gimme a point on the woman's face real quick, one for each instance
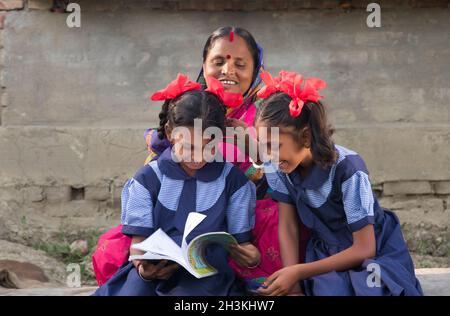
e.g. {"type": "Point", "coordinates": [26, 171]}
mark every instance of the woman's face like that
{"type": "Point", "coordinates": [231, 63]}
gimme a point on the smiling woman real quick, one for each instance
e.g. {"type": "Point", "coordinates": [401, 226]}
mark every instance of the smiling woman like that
{"type": "Point", "coordinates": [231, 59]}
{"type": "Point", "coordinates": [232, 55]}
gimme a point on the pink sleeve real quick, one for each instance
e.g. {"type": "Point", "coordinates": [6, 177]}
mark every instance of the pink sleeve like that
{"type": "Point", "coordinates": [230, 152]}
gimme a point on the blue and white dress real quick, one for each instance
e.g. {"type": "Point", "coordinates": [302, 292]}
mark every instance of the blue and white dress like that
{"type": "Point", "coordinates": [334, 203]}
{"type": "Point", "coordinates": [161, 195]}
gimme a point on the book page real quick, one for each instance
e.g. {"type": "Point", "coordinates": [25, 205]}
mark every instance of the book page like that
{"type": "Point", "coordinates": [155, 256]}
{"type": "Point", "coordinates": [196, 251]}
{"type": "Point", "coordinates": [160, 243]}
{"type": "Point", "coordinates": [159, 246]}
{"type": "Point", "coordinates": [222, 238]}
{"type": "Point", "coordinates": [192, 221]}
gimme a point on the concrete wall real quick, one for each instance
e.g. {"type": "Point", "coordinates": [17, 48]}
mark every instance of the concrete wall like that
{"type": "Point", "coordinates": [74, 102]}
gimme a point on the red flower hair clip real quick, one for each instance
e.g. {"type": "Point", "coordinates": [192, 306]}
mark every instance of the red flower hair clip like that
{"type": "Point", "coordinates": [230, 99]}
{"type": "Point", "coordinates": [178, 86]}
{"type": "Point", "coordinates": [298, 88]}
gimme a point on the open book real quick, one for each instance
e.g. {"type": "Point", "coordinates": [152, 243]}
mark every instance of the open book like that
{"type": "Point", "coordinates": [159, 246]}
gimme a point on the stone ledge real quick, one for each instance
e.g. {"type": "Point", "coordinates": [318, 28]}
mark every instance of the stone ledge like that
{"type": "Point", "coordinates": [40, 4]}
{"type": "Point", "coordinates": [442, 187]}
{"type": "Point", "coordinates": [435, 282]}
{"type": "Point", "coordinates": [82, 291]}
{"type": "Point", "coordinates": [8, 5]}
{"type": "Point", "coordinates": [407, 188]}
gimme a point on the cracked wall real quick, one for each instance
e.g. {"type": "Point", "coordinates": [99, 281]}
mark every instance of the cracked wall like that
{"type": "Point", "coordinates": [74, 102]}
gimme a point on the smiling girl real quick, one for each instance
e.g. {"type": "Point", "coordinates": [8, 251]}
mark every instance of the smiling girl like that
{"type": "Point", "coordinates": [162, 194]}
{"type": "Point", "coordinates": [357, 247]}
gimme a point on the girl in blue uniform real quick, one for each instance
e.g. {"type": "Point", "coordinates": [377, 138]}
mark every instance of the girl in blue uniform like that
{"type": "Point", "coordinates": [356, 247]}
{"type": "Point", "coordinates": [164, 192]}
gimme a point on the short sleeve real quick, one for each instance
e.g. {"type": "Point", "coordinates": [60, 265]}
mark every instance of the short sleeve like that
{"type": "Point", "coordinates": [137, 209]}
{"type": "Point", "coordinates": [240, 212]}
{"type": "Point", "coordinates": [280, 192]}
{"type": "Point", "coordinates": [357, 197]}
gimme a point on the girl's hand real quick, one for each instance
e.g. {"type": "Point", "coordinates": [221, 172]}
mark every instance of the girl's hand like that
{"type": "Point", "coordinates": [245, 255]}
{"type": "Point", "coordinates": [283, 282]}
{"type": "Point", "coordinates": [159, 271]}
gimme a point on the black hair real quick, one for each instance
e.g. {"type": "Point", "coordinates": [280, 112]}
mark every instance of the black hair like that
{"type": "Point", "coordinates": [246, 35]}
{"type": "Point", "coordinates": [191, 105]}
{"type": "Point", "coordinates": [274, 111]}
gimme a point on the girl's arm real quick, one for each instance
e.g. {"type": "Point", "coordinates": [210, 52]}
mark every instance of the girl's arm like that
{"type": "Point", "coordinates": [364, 247]}
{"type": "Point", "coordinates": [288, 234]}
{"type": "Point", "coordinates": [240, 214]}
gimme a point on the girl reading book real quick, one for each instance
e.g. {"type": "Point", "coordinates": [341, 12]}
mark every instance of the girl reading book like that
{"type": "Point", "coordinates": [164, 192]}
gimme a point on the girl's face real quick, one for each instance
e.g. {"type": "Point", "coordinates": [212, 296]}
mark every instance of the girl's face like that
{"type": "Point", "coordinates": [289, 153]}
{"type": "Point", "coordinates": [231, 63]}
{"type": "Point", "coordinates": [189, 149]}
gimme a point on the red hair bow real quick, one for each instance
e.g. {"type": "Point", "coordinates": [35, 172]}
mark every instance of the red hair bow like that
{"type": "Point", "coordinates": [178, 86]}
{"type": "Point", "coordinates": [230, 99]}
{"type": "Point", "coordinates": [291, 84]}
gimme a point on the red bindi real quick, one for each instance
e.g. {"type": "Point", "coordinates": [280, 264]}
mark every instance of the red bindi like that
{"type": "Point", "coordinates": [228, 56]}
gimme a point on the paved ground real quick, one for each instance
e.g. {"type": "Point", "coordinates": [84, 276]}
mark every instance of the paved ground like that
{"type": "Point", "coordinates": [435, 282]}
{"type": "Point", "coordinates": [83, 291]}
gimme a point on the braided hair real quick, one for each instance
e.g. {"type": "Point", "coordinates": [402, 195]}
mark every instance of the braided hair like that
{"type": "Point", "coordinates": [191, 105]}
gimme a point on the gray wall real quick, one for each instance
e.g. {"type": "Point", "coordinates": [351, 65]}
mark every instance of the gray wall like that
{"type": "Point", "coordinates": [75, 101]}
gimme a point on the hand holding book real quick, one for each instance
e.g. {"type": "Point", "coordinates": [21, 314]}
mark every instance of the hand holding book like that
{"type": "Point", "coordinates": [157, 269]}
{"type": "Point", "coordinates": [246, 255]}
{"type": "Point", "coordinates": [159, 246]}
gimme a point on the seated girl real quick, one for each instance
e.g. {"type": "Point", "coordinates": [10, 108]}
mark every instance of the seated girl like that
{"type": "Point", "coordinates": [356, 247]}
{"type": "Point", "coordinates": [164, 192]}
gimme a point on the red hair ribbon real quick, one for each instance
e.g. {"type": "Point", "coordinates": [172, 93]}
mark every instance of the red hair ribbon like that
{"type": "Point", "coordinates": [178, 86]}
{"type": "Point", "coordinates": [298, 88]}
{"type": "Point", "coordinates": [230, 99]}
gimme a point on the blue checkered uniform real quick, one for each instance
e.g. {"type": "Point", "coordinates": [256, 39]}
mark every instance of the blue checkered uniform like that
{"type": "Point", "coordinates": [334, 203]}
{"type": "Point", "coordinates": [161, 195]}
